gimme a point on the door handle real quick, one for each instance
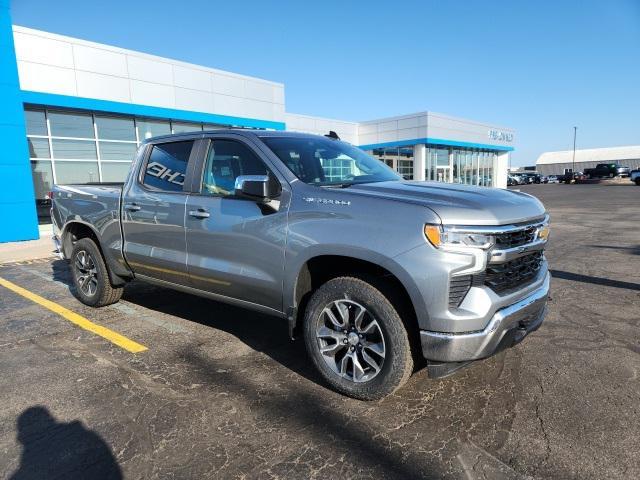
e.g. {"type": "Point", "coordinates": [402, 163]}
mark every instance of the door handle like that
{"type": "Point", "coordinates": [132, 207]}
{"type": "Point", "coordinates": [199, 213]}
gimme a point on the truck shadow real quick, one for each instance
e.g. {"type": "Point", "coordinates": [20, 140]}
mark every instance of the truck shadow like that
{"type": "Point", "coordinates": [260, 332]}
{"type": "Point", "coordinates": [263, 333]}
{"type": "Point", "coordinates": [633, 250]}
{"type": "Point", "coordinates": [605, 282]}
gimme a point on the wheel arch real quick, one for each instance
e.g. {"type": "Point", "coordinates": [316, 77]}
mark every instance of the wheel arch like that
{"type": "Point", "coordinates": [76, 230]}
{"type": "Point", "coordinates": [319, 267]}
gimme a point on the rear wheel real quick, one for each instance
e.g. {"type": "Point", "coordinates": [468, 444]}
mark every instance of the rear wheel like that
{"type": "Point", "coordinates": [356, 339]}
{"type": "Point", "coordinates": [90, 275]}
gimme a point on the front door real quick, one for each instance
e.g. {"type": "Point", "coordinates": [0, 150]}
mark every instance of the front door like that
{"type": "Point", "coordinates": [235, 246]}
{"type": "Point", "coordinates": [153, 214]}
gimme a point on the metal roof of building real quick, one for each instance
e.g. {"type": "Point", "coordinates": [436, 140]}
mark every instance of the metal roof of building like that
{"type": "Point", "coordinates": [610, 154]}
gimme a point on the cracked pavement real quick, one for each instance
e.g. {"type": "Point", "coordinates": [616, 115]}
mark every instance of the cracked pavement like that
{"type": "Point", "coordinates": [223, 393]}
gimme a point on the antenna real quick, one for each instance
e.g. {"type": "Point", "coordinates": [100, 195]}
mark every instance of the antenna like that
{"type": "Point", "coordinates": [333, 135]}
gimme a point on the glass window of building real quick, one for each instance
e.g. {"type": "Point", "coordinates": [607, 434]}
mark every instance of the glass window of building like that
{"type": "Point", "coordinates": [115, 171]}
{"type": "Point", "coordinates": [438, 167]}
{"type": "Point", "coordinates": [152, 128]}
{"type": "Point", "coordinates": [73, 149]}
{"type": "Point", "coordinates": [405, 168]}
{"type": "Point", "coordinates": [38, 147]}
{"type": "Point", "coordinates": [211, 126]}
{"type": "Point", "coordinates": [181, 127]}
{"type": "Point", "coordinates": [36, 122]}
{"type": "Point", "coordinates": [42, 174]}
{"type": "Point", "coordinates": [117, 150]}
{"type": "Point", "coordinates": [115, 128]}
{"type": "Point", "coordinates": [71, 124]}
{"type": "Point", "coordinates": [76, 172]}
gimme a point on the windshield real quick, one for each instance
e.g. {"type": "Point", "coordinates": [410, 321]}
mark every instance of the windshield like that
{"type": "Point", "coordinates": [322, 161]}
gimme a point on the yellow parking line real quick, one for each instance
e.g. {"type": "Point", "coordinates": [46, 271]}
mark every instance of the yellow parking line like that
{"type": "Point", "coordinates": [79, 320]}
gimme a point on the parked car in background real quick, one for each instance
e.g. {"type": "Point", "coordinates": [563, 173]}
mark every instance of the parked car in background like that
{"type": "Point", "coordinates": [607, 170]}
{"type": "Point", "coordinates": [635, 176]}
{"type": "Point", "coordinates": [511, 180]}
{"type": "Point", "coordinates": [553, 179]}
{"type": "Point", "coordinates": [579, 177]}
{"type": "Point", "coordinates": [371, 270]}
{"type": "Point", "coordinates": [522, 178]}
{"type": "Point", "coordinates": [572, 177]}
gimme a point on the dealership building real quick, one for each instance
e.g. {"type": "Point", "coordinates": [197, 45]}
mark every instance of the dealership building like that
{"type": "Point", "coordinates": [559, 163]}
{"type": "Point", "coordinates": [75, 111]}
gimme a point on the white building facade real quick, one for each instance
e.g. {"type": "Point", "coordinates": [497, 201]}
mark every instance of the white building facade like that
{"type": "Point", "coordinates": [84, 108]}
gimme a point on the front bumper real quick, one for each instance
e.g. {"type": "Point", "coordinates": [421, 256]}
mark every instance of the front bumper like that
{"type": "Point", "coordinates": [507, 327]}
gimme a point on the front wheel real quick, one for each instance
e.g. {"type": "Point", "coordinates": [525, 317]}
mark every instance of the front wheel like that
{"type": "Point", "coordinates": [637, 180]}
{"type": "Point", "coordinates": [90, 275]}
{"type": "Point", "coordinates": [356, 339]}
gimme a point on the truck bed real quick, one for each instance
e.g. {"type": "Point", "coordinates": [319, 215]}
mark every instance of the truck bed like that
{"type": "Point", "coordinates": [89, 201]}
{"type": "Point", "coordinates": [97, 206]}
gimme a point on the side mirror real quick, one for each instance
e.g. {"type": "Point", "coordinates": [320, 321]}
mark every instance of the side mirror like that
{"type": "Point", "coordinates": [261, 188]}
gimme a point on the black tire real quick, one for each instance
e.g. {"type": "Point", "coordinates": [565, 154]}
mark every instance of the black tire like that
{"type": "Point", "coordinates": [396, 366]}
{"type": "Point", "coordinates": [637, 180]}
{"type": "Point", "coordinates": [95, 288]}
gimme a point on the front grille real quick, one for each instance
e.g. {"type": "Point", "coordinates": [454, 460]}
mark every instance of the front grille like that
{"type": "Point", "coordinates": [514, 274]}
{"type": "Point", "coordinates": [516, 238]}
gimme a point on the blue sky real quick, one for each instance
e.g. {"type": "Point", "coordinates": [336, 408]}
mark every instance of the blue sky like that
{"type": "Point", "coordinates": [538, 66]}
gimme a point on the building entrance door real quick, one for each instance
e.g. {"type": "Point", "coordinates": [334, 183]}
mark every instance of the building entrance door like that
{"type": "Point", "coordinates": [443, 174]}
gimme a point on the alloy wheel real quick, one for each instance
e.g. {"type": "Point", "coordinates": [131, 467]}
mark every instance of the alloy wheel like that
{"type": "Point", "coordinates": [86, 273]}
{"type": "Point", "coordinates": [351, 341]}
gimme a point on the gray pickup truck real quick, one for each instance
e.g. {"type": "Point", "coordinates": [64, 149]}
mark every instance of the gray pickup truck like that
{"type": "Point", "coordinates": [377, 274]}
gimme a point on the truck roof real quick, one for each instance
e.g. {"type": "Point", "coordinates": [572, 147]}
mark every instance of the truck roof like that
{"type": "Point", "coordinates": [242, 131]}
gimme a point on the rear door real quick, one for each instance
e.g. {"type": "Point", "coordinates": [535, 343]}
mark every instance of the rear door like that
{"type": "Point", "coordinates": [154, 210]}
{"type": "Point", "coordinates": [235, 246]}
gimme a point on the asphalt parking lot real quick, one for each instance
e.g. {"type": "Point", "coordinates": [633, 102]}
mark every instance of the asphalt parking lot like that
{"type": "Point", "coordinates": [222, 393]}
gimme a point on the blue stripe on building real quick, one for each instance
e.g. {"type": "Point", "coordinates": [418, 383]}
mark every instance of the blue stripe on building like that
{"type": "Point", "coordinates": [54, 100]}
{"type": "Point", "coordinates": [436, 141]}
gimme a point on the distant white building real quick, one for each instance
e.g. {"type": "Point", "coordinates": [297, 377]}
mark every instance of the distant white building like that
{"type": "Point", "coordinates": [550, 163]}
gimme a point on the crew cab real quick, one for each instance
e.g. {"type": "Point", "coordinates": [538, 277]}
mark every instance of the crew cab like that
{"type": "Point", "coordinates": [378, 274]}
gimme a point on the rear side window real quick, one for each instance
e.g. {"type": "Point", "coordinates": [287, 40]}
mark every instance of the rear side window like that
{"type": "Point", "coordinates": [167, 166]}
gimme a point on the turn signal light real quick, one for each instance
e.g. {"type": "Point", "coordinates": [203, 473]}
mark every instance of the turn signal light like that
{"type": "Point", "coordinates": [432, 232]}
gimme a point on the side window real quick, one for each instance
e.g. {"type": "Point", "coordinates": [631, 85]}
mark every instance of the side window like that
{"type": "Point", "coordinates": [167, 166]}
{"type": "Point", "coordinates": [227, 160]}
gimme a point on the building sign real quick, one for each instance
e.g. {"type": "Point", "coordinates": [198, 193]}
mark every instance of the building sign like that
{"type": "Point", "coordinates": [500, 136]}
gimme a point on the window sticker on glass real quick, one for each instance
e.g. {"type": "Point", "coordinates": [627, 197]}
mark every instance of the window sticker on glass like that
{"type": "Point", "coordinates": [167, 166]}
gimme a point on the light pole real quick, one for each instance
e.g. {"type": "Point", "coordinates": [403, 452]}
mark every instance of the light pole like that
{"type": "Point", "coordinates": [573, 162]}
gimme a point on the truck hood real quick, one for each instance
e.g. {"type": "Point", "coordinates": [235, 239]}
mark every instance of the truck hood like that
{"type": "Point", "coordinates": [459, 204]}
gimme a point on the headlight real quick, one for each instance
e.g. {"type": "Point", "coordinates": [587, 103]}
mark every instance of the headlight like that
{"type": "Point", "coordinates": [442, 237]}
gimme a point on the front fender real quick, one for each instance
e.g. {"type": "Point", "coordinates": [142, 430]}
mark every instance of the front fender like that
{"type": "Point", "coordinates": [296, 263]}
